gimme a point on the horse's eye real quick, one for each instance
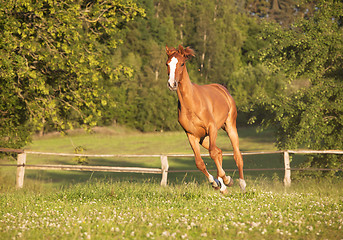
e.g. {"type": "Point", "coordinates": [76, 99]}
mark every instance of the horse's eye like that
{"type": "Point", "coordinates": [182, 64]}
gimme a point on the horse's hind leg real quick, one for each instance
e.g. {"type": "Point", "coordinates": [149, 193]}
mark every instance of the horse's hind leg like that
{"type": "Point", "coordinates": [231, 129]}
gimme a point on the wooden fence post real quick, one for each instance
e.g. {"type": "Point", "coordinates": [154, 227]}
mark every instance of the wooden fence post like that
{"type": "Point", "coordinates": [21, 161]}
{"type": "Point", "coordinates": [287, 178]}
{"type": "Point", "coordinates": [164, 167]}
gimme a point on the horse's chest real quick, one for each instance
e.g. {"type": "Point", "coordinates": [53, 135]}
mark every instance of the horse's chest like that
{"type": "Point", "coordinates": [192, 123]}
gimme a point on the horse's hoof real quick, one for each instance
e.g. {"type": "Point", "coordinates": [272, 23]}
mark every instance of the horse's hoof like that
{"type": "Point", "coordinates": [228, 181]}
{"type": "Point", "coordinates": [242, 184]}
{"type": "Point", "coordinates": [225, 191]}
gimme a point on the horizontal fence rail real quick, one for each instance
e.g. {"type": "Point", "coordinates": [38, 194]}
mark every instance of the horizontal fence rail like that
{"type": "Point", "coordinates": [21, 163]}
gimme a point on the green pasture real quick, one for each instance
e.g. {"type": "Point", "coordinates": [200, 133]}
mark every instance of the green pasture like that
{"type": "Point", "coordinates": [93, 205]}
{"type": "Point", "coordinates": [110, 209]}
{"type": "Point", "coordinates": [119, 140]}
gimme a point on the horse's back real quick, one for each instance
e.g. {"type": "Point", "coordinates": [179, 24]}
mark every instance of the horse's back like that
{"type": "Point", "coordinates": [215, 93]}
{"type": "Point", "coordinates": [220, 88]}
{"type": "Point", "coordinates": [217, 101]}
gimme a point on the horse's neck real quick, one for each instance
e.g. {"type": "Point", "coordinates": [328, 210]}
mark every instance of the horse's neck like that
{"type": "Point", "coordinates": [185, 91]}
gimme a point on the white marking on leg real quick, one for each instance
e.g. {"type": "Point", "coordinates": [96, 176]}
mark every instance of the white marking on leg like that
{"type": "Point", "coordinates": [172, 68]}
{"type": "Point", "coordinates": [242, 184]}
{"type": "Point", "coordinates": [223, 187]}
{"type": "Point", "coordinates": [210, 178]}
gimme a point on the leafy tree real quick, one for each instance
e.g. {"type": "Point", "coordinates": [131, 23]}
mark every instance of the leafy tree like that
{"type": "Point", "coordinates": [284, 12]}
{"type": "Point", "coordinates": [309, 110]}
{"type": "Point", "coordinates": [214, 29]}
{"type": "Point", "coordinates": [145, 103]}
{"type": "Point", "coordinates": [55, 61]}
{"type": "Point", "coordinates": [217, 39]}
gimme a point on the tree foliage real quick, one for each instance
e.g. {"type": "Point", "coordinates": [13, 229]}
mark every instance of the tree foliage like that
{"type": "Point", "coordinates": [284, 12]}
{"type": "Point", "coordinates": [214, 29]}
{"type": "Point", "coordinates": [309, 110]}
{"type": "Point", "coordinates": [68, 64]}
{"type": "Point", "coordinates": [55, 59]}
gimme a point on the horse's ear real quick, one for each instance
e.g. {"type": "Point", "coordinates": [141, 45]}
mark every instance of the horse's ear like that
{"type": "Point", "coordinates": [188, 52]}
{"type": "Point", "coordinates": [170, 51]}
{"type": "Point", "coordinates": [167, 50]}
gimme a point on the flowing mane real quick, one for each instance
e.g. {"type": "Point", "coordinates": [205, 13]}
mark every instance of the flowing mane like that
{"type": "Point", "coordinates": [185, 52]}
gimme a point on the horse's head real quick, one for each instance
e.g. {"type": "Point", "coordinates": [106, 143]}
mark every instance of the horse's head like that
{"type": "Point", "coordinates": [176, 64]}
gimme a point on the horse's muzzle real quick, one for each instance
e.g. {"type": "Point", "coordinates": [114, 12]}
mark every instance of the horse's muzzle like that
{"type": "Point", "coordinates": [172, 87]}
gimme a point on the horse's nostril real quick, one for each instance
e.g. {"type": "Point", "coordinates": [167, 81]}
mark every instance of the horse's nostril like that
{"type": "Point", "coordinates": [172, 86]}
{"type": "Point", "coordinates": [175, 84]}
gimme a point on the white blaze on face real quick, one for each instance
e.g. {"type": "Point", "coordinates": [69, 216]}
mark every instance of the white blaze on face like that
{"type": "Point", "coordinates": [172, 67]}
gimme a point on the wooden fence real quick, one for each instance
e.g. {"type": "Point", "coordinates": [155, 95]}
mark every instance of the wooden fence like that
{"type": "Point", "coordinates": [21, 163]}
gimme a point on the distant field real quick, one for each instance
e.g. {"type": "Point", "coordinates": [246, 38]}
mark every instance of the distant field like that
{"type": "Point", "coordinates": [122, 141]}
{"type": "Point", "coordinates": [119, 140]}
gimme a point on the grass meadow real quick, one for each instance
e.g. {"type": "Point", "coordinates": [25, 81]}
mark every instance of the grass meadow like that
{"type": "Point", "coordinates": [144, 210]}
{"type": "Point", "coordinates": [87, 205]}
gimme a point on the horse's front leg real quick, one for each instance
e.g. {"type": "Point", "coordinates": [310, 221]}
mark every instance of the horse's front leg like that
{"type": "Point", "coordinates": [194, 142]}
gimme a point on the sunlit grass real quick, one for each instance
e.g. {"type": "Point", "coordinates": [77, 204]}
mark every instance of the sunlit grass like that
{"type": "Point", "coordinates": [93, 205]}
{"type": "Point", "coordinates": [127, 210]}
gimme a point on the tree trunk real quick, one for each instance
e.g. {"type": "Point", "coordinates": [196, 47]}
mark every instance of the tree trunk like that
{"type": "Point", "coordinates": [203, 55]}
{"type": "Point", "coordinates": [275, 6]}
{"type": "Point", "coordinates": [41, 131]}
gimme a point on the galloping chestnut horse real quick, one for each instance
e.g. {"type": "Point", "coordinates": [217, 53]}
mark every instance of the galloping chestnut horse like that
{"type": "Point", "coordinates": [203, 110]}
